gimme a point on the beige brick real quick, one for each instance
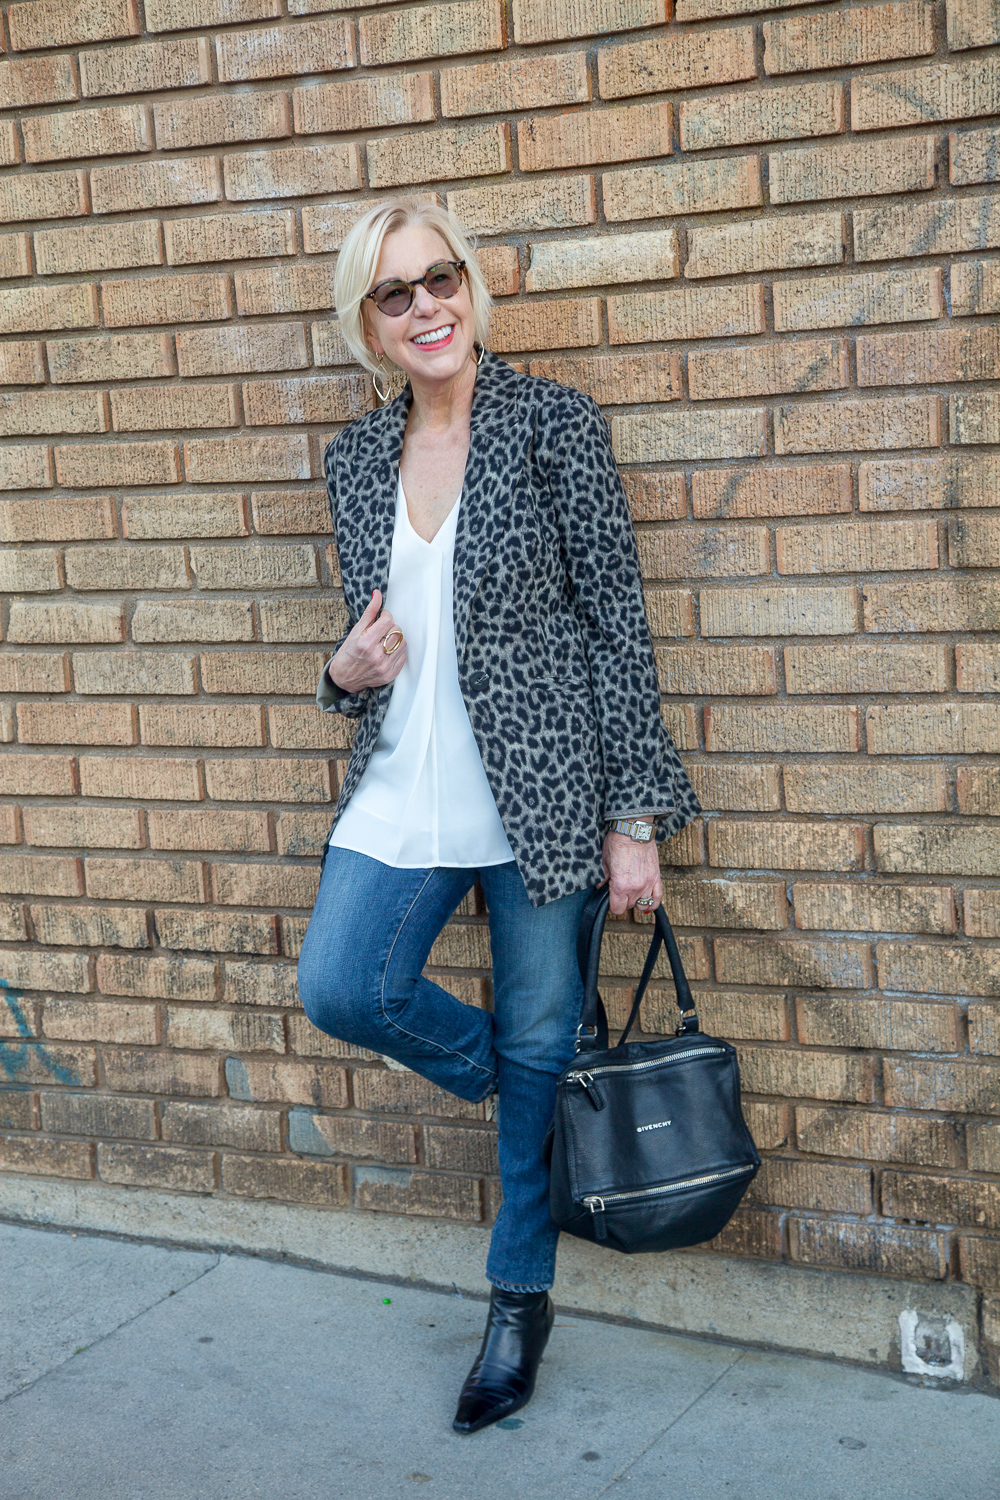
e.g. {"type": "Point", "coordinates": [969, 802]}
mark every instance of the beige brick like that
{"type": "Point", "coordinates": [949, 91]}
{"type": "Point", "coordinates": [781, 727]}
{"type": "Point", "coordinates": [615, 378]}
{"type": "Point", "coordinates": [221, 1125]}
{"type": "Point", "coordinates": [832, 426]}
{"type": "Point", "coordinates": [155, 184]}
{"type": "Point", "coordinates": [149, 516]}
{"type": "Point", "coordinates": [233, 832]}
{"type": "Point", "coordinates": [873, 33]}
{"type": "Point", "coordinates": [884, 1248]}
{"type": "Point", "coordinates": [265, 885]}
{"type": "Point", "coordinates": [143, 779]}
{"type": "Point", "coordinates": [726, 903]}
{"type": "Point", "coordinates": [272, 566]}
{"type": "Point", "coordinates": [803, 490]}
{"type": "Point", "coordinates": [569, 18]}
{"type": "Point", "coordinates": [852, 300]}
{"type": "Point", "coordinates": [815, 963]}
{"type": "Point", "coordinates": [302, 833]}
{"type": "Point", "coordinates": [435, 31]}
{"type": "Point", "coordinates": [687, 435]}
{"type": "Point", "coordinates": [972, 23]}
{"type": "Point", "coordinates": [266, 672]}
{"type": "Point", "coordinates": [857, 547]}
{"type": "Point", "coordinates": [221, 1031]}
{"type": "Point", "coordinates": [280, 51]}
{"type": "Point", "coordinates": [10, 155]}
{"type": "Point", "coordinates": [165, 299]}
{"type": "Point", "coordinates": [161, 408]}
{"type": "Point", "coordinates": [685, 313]}
{"type": "Point", "coordinates": [607, 135]}
{"type": "Point", "coordinates": [984, 1033]}
{"type": "Point", "coordinates": [922, 358]}
{"type": "Point", "coordinates": [90, 926]}
{"type": "Point", "coordinates": [683, 187]}
{"type": "Point", "coordinates": [181, 15]}
{"type": "Point", "coordinates": [670, 612]}
{"type": "Point", "coordinates": [292, 172]}
{"type": "Point", "coordinates": [767, 369]}
{"type": "Point", "coordinates": [982, 1146]}
{"type": "Point", "coordinates": [700, 551]}
{"type": "Point", "coordinates": [118, 130]}
{"type": "Point", "coordinates": [316, 398]}
{"type": "Point", "coordinates": [866, 667]}
{"type": "Point", "coordinates": [122, 357]}
{"type": "Point", "coordinates": [37, 875]}
{"type": "Point", "coordinates": [859, 169]}
{"type": "Point", "coordinates": [295, 727]}
{"type": "Point", "coordinates": [34, 672]}
{"type": "Point", "coordinates": [977, 669]}
{"type": "Point", "coordinates": [975, 288]}
{"type": "Point", "coordinates": [766, 245]}
{"type": "Point", "coordinates": [680, 60]}
{"type": "Point", "coordinates": [787, 114]}
{"type": "Point", "coordinates": [277, 289]}
{"type": "Point", "coordinates": [739, 788]}
{"type": "Point", "coordinates": [162, 724]}
{"type": "Point", "coordinates": [557, 264]}
{"type": "Point", "coordinates": [324, 225]}
{"type": "Point", "coordinates": [654, 495]}
{"type": "Point", "coordinates": [36, 80]}
{"type": "Point", "coordinates": [130, 1070]}
{"type": "Point", "coordinates": [506, 208]}
{"type": "Point", "coordinates": [134, 673]}
{"type": "Point", "coordinates": [72, 520]}
{"type": "Point", "coordinates": [36, 776]}
{"type": "Point", "coordinates": [21, 363]}
{"type": "Point", "coordinates": [145, 880]}
{"type": "Point", "coordinates": [76, 723]}
{"type": "Point", "coordinates": [695, 670]}
{"type": "Point", "coordinates": [932, 728]}
{"type": "Point", "coordinates": [434, 155]}
{"type": "Point", "coordinates": [62, 23]}
{"type": "Point", "coordinates": [129, 568]}
{"type": "Point", "coordinates": [87, 465]}
{"type": "Point", "coordinates": [181, 63]}
{"type": "Point", "coordinates": [282, 513]}
{"type": "Point", "coordinates": [946, 227]}
{"type": "Point", "coordinates": [975, 417]}
{"type": "Point", "coordinates": [156, 1166]}
{"type": "Point", "coordinates": [963, 604]}
{"type": "Point", "coordinates": [25, 467]}
{"type": "Point", "coordinates": [31, 572]}
{"type": "Point", "coordinates": [875, 1137]}
{"type": "Point", "coordinates": [972, 157]}
{"type": "Point", "coordinates": [263, 1080]}
{"type": "Point", "coordinates": [193, 620]}
{"type": "Point", "coordinates": [42, 195]}
{"type": "Point", "coordinates": [934, 1084]}
{"type": "Point", "coordinates": [863, 907]}
{"type": "Point", "coordinates": [10, 833]}
{"type": "Point", "coordinates": [216, 932]}
{"type": "Point", "coordinates": [728, 1013]}
{"type": "Point", "coordinates": [261, 984]}
{"type": "Point", "coordinates": [32, 309]}
{"type": "Point", "coordinates": [777, 1070]}
{"type": "Point", "coordinates": [365, 103]}
{"type": "Point", "coordinates": [564, 324]}
{"type": "Point", "coordinates": [310, 620]}
{"type": "Point", "coordinates": [215, 120]}
{"type": "Point", "coordinates": [232, 460]}
{"type": "Point", "coordinates": [506, 84]}
{"type": "Point", "coordinates": [753, 844]}
{"type": "Point", "coordinates": [65, 624]}
{"type": "Point", "coordinates": [780, 611]}
{"type": "Point", "coordinates": [913, 849]}
{"type": "Point", "coordinates": [247, 235]}
{"type": "Point", "coordinates": [30, 1153]}
{"type": "Point", "coordinates": [973, 542]}
{"type": "Point", "coordinates": [978, 791]}
{"type": "Point", "coordinates": [96, 1114]}
{"type": "Point", "coordinates": [295, 1181]}
{"type": "Point", "coordinates": [86, 827]}
{"type": "Point", "coordinates": [231, 351]}
{"type": "Point", "coordinates": [100, 1021]}
{"type": "Point", "coordinates": [25, 413]}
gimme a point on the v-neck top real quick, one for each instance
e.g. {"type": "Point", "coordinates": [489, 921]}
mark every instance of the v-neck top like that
{"type": "Point", "coordinates": [424, 800]}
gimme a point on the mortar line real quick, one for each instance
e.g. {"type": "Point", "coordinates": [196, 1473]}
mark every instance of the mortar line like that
{"type": "Point", "coordinates": [616, 1478]}
{"type": "Point", "coordinates": [102, 1338]}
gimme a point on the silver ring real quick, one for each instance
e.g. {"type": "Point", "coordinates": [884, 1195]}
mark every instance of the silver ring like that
{"type": "Point", "coordinates": [646, 902]}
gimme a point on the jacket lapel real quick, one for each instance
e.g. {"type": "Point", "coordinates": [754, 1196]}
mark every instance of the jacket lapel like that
{"type": "Point", "coordinates": [366, 502]}
{"type": "Point", "coordinates": [500, 432]}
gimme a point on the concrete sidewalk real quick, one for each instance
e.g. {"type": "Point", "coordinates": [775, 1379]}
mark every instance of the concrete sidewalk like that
{"type": "Point", "coordinates": [134, 1372]}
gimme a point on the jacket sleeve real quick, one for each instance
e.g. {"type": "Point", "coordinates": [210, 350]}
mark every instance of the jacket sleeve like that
{"type": "Point", "coordinates": [602, 562]}
{"type": "Point", "coordinates": [329, 697]}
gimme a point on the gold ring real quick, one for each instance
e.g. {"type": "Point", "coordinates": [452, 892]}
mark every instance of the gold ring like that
{"type": "Point", "coordinates": [390, 649]}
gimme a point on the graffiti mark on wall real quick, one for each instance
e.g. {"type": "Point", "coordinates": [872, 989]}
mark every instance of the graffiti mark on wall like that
{"type": "Point", "coordinates": [20, 1062]}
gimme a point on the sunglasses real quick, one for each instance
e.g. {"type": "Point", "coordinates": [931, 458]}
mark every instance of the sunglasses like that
{"type": "Point", "coordinates": [395, 297]}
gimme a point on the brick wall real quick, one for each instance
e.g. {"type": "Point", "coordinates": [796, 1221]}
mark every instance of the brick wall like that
{"type": "Point", "coordinates": [766, 242]}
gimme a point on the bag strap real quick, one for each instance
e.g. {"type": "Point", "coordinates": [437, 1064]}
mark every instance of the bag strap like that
{"type": "Point", "coordinates": [592, 1032]}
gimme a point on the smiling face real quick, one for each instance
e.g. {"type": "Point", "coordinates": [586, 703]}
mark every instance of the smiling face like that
{"type": "Point", "coordinates": [432, 341]}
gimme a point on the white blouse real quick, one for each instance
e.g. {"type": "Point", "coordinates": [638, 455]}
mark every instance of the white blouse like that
{"type": "Point", "coordinates": [424, 799]}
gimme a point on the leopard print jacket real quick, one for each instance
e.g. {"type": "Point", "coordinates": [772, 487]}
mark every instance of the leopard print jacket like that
{"type": "Point", "coordinates": [554, 656]}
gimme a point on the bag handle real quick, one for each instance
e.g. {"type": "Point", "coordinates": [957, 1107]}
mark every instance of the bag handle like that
{"type": "Point", "coordinates": [592, 1032]}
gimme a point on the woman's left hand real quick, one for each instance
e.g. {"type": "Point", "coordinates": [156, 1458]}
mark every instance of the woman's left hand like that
{"type": "Point", "coordinates": [633, 871]}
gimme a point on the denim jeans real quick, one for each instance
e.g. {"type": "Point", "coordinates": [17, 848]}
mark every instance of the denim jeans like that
{"type": "Point", "coordinates": [360, 979]}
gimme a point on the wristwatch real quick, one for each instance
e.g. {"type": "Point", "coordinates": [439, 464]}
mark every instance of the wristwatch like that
{"type": "Point", "coordinates": [633, 828]}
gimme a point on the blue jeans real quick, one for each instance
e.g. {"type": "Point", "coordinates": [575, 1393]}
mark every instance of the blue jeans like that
{"type": "Point", "coordinates": [360, 979]}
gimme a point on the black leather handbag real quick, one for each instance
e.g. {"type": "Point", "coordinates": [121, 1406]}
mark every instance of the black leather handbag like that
{"type": "Point", "coordinates": [650, 1150]}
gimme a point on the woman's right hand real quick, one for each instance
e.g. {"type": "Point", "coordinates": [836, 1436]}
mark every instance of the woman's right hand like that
{"type": "Point", "coordinates": [361, 662]}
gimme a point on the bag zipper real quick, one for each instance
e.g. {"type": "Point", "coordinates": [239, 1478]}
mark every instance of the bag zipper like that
{"type": "Point", "coordinates": [597, 1202]}
{"type": "Point", "coordinates": [586, 1076]}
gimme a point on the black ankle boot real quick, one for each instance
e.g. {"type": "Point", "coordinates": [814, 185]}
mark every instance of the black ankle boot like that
{"type": "Point", "coordinates": [503, 1377]}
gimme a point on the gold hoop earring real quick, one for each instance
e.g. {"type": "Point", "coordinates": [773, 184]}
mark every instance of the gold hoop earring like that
{"type": "Point", "coordinates": [382, 395]}
{"type": "Point", "coordinates": [481, 355]}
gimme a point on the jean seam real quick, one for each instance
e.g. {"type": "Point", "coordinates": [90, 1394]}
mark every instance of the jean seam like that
{"type": "Point", "coordinates": [387, 1019]}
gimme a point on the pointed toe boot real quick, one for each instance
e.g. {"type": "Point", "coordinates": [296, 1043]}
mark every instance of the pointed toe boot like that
{"type": "Point", "coordinates": [503, 1377]}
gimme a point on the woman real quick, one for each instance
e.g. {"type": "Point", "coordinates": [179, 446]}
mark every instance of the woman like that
{"type": "Point", "coordinates": [499, 662]}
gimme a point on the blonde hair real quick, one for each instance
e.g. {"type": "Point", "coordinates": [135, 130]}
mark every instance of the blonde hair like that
{"type": "Point", "coordinates": [359, 257]}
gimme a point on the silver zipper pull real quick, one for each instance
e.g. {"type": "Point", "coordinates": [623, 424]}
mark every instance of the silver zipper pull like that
{"type": "Point", "coordinates": [591, 1089]}
{"type": "Point", "coordinates": [596, 1206]}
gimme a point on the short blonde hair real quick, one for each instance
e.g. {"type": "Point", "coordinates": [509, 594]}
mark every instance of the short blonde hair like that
{"type": "Point", "coordinates": [359, 256]}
